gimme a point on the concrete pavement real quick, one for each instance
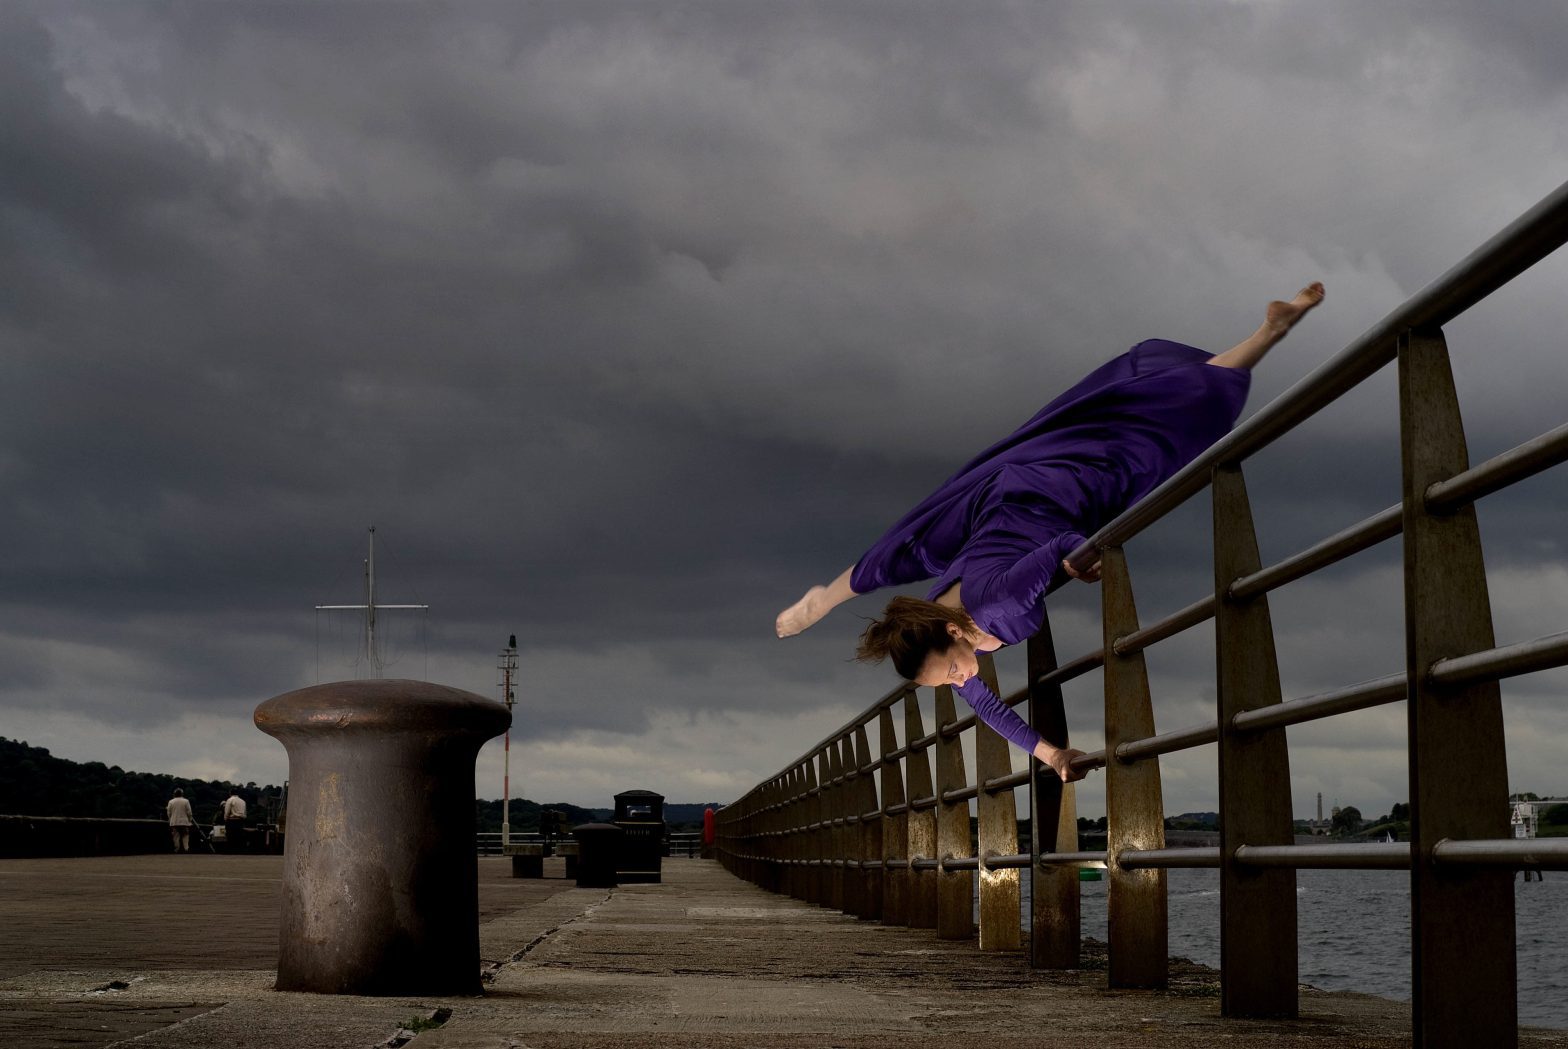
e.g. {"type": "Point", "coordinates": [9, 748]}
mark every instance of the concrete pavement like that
{"type": "Point", "coordinates": [167, 952]}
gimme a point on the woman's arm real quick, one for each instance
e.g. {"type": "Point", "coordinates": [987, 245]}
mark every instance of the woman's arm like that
{"type": "Point", "coordinates": [1005, 720]}
{"type": "Point", "coordinates": [1060, 759]}
{"type": "Point", "coordinates": [817, 602]}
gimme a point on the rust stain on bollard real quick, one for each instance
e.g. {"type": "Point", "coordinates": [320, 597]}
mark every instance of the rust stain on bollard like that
{"type": "Point", "coordinates": [380, 893]}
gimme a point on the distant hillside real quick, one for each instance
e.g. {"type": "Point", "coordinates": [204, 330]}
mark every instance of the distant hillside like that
{"type": "Point", "coordinates": [34, 782]}
{"type": "Point", "coordinates": [524, 814]}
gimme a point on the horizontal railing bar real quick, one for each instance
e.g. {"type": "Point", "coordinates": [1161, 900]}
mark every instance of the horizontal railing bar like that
{"type": "Point", "coordinates": [1545, 853]}
{"type": "Point", "coordinates": [1094, 759]}
{"type": "Point", "coordinates": [1066, 672]}
{"type": "Point", "coordinates": [1199, 611]}
{"type": "Point", "coordinates": [1138, 859]}
{"type": "Point", "coordinates": [1000, 783]}
{"type": "Point", "coordinates": [1543, 653]}
{"type": "Point", "coordinates": [1375, 856]}
{"type": "Point", "coordinates": [1383, 525]}
{"type": "Point", "coordinates": [923, 863]}
{"type": "Point", "coordinates": [1002, 863]}
{"type": "Point", "coordinates": [952, 797]}
{"type": "Point", "coordinates": [1374, 693]}
{"type": "Point", "coordinates": [897, 810]}
{"type": "Point", "coordinates": [1071, 859]}
{"type": "Point", "coordinates": [1166, 742]}
{"type": "Point", "coordinates": [1073, 668]}
{"type": "Point", "coordinates": [954, 728]}
{"type": "Point", "coordinates": [1500, 471]}
{"type": "Point", "coordinates": [832, 738]}
{"type": "Point", "coordinates": [1528, 239]}
{"type": "Point", "coordinates": [928, 802]}
{"type": "Point", "coordinates": [961, 863]}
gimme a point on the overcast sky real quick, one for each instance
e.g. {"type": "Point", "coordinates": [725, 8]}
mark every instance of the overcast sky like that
{"type": "Point", "coordinates": [624, 323]}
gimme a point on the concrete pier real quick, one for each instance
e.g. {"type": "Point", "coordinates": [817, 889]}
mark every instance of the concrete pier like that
{"type": "Point", "coordinates": [178, 951]}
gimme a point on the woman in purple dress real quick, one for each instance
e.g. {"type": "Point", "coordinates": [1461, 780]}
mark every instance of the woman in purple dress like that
{"type": "Point", "coordinates": [996, 534]}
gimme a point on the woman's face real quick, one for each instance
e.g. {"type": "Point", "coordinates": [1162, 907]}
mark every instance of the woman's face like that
{"type": "Point", "coordinates": [953, 667]}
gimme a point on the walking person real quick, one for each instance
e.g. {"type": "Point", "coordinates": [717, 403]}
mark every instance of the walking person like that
{"type": "Point", "coordinates": [180, 821]}
{"type": "Point", "coordinates": [997, 533]}
{"type": "Point", "coordinates": [234, 821]}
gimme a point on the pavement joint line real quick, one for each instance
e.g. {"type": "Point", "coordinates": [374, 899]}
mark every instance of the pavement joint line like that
{"type": "Point", "coordinates": [494, 969]}
{"type": "Point", "coordinates": [403, 1035]}
{"type": "Point", "coordinates": [148, 1035]}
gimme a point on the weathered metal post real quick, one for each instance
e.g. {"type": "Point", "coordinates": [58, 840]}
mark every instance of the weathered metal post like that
{"type": "Point", "coordinates": [997, 820]}
{"type": "Point", "coordinates": [1257, 907]}
{"type": "Point", "coordinates": [380, 875]}
{"type": "Point", "coordinates": [1135, 899]}
{"type": "Point", "coordinates": [921, 911]}
{"type": "Point", "coordinates": [1055, 940]}
{"type": "Point", "coordinates": [1463, 983]}
{"type": "Point", "coordinates": [895, 829]}
{"type": "Point", "coordinates": [955, 918]}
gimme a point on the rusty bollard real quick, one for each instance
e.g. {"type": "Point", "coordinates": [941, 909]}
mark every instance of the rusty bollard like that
{"type": "Point", "coordinates": [380, 875]}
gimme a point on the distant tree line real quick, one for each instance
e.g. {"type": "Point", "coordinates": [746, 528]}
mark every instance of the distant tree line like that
{"type": "Point", "coordinates": [524, 815]}
{"type": "Point", "coordinates": [34, 782]}
{"type": "Point", "coordinates": [1348, 822]}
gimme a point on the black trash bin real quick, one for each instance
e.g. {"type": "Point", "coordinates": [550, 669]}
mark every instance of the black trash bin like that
{"type": "Point", "coordinates": [599, 851]}
{"type": "Point", "coordinates": [640, 813]}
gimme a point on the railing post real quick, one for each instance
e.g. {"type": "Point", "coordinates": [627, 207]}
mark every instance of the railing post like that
{"type": "Point", "coordinates": [822, 889]}
{"type": "Point", "coordinates": [870, 829]}
{"type": "Point", "coordinates": [1257, 906]}
{"type": "Point", "coordinates": [803, 835]}
{"type": "Point", "coordinates": [1135, 899]}
{"type": "Point", "coordinates": [895, 829]}
{"type": "Point", "coordinates": [833, 814]}
{"type": "Point", "coordinates": [1055, 936]}
{"type": "Point", "coordinates": [922, 824]}
{"type": "Point", "coordinates": [998, 831]}
{"type": "Point", "coordinates": [769, 867]}
{"type": "Point", "coordinates": [792, 833]}
{"type": "Point", "coordinates": [849, 829]}
{"type": "Point", "coordinates": [1461, 918]}
{"type": "Point", "coordinates": [955, 918]}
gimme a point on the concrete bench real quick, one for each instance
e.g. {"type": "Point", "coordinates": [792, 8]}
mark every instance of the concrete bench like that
{"type": "Point", "coordinates": [568, 850]}
{"type": "Point", "coordinates": [527, 860]}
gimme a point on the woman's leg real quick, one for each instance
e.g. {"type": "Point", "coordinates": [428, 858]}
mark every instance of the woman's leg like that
{"type": "Point", "coordinates": [1279, 319]}
{"type": "Point", "coordinates": [817, 602]}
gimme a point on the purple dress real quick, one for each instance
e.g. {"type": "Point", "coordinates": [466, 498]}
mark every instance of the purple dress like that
{"type": "Point", "coordinates": [1004, 522]}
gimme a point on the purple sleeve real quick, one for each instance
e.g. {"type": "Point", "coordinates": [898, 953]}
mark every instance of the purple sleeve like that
{"type": "Point", "coordinates": [998, 715]}
{"type": "Point", "coordinates": [1019, 588]}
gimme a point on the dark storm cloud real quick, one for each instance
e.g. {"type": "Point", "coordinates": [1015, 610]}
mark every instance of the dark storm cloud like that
{"type": "Point", "coordinates": [624, 323]}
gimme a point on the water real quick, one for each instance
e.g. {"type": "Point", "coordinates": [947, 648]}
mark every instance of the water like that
{"type": "Point", "coordinates": [1353, 932]}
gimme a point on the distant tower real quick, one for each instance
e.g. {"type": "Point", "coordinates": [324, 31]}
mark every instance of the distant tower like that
{"type": "Point", "coordinates": [506, 666]}
{"type": "Point", "coordinates": [1320, 806]}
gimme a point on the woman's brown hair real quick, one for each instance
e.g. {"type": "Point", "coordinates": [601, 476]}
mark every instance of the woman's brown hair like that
{"type": "Point", "coordinates": [909, 631]}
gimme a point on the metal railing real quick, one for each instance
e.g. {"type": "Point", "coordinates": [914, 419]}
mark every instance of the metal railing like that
{"type": "Point", "coordinates": [676, 843]}
{"type": "Point", "coordinates": [822, 830]}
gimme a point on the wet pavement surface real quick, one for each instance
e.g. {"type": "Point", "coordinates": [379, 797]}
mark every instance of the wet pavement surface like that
{"type": "Point", "coordinates": [179, 951]}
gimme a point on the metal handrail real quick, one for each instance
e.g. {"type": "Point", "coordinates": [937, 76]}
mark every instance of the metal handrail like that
{"type": "Point", "coordinates": [792, 817]}
{"type": "Point", "coordinates": [1526, 241]}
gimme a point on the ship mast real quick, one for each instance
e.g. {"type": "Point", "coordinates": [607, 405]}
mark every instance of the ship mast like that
{"type": "Point", "coordinates": [372, 652]}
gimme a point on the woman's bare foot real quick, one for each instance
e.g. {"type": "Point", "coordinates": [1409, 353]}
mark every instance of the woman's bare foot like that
{"type": "Point", "coordinates": [802, 613]}
{"type": "Point", "coordinates": [1282, 316]}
